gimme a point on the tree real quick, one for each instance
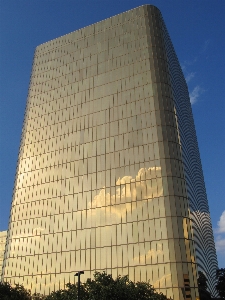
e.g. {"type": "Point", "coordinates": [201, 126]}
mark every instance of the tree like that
{"type": "Point", "coordinates": [7, 292]}
{"type": "Point", "coordinates": [104, 287]}
{"type": "Point", "coordinates": [202, 287]}
{"type": "Point", "coordinates": [220, 286]}
{"type": "Point", "coordinates": [38, 296]}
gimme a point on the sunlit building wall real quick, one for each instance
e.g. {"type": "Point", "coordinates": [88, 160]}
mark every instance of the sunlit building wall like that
{"type": "Point", "coordinates": [3, 235]}
{"type": "Point", "coordinates": [101, 181]}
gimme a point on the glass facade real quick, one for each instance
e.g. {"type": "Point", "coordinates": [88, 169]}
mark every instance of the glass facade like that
{"type": "Point", "coordinates": [101, 181]}
{"type": "Point", "coordinates": [199, 210]}
{"type": "Point", "coordinates": [3, 235]}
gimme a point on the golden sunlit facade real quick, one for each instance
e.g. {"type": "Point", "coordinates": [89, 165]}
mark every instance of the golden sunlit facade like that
{"type": "Point", "coordinates": [100, 181]}
{"type": "Point", "coordinates": [3, 235]}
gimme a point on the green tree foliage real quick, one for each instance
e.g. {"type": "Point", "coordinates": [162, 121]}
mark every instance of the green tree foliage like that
{"type": "Point", "coordinates": [7, 292]}
{"type": "Point", "coordinates": [220, 286]}
{"type": "Point", "coordinates": [202, 287]}
{"type": "Point", "coordinates": [202, 281]}
{"type": "Point", "coordinates": [104, 287]}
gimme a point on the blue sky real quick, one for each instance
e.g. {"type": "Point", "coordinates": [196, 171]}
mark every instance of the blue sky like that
{"type": "Point", "coordinates": [197, 31]}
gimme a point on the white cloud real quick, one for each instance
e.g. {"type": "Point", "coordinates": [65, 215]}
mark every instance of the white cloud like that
{"type": "Point", "coordinates": [205, 46]}
{"type": "Point", "coordinates": [221, 223]}
{"type": "Point", "coordinates": [189, 76]}
{"type": "Point", "coordinates": [220, 237]}
{"type": "Point", "coordinates": [220, 244]}
{"type": "Point", "coordinates": [189, 62]}
{"type": "Point", "coordinates": [147, 183]}
{"type": "Point", "coordinates": [194, 95]}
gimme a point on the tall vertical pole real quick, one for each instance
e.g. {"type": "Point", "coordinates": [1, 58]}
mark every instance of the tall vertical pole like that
{"type": "Point", "coordinates": [78, 286]}
{"type": "Point", "coordinates": [78, 275]}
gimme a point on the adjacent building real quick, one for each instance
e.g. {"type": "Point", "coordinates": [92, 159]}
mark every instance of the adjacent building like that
{"type": "Point", "coordinates": [109, 175]}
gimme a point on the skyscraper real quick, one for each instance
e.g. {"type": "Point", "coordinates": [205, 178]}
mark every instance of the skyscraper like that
{"type": "Point", "coordinates": [109, 175]}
